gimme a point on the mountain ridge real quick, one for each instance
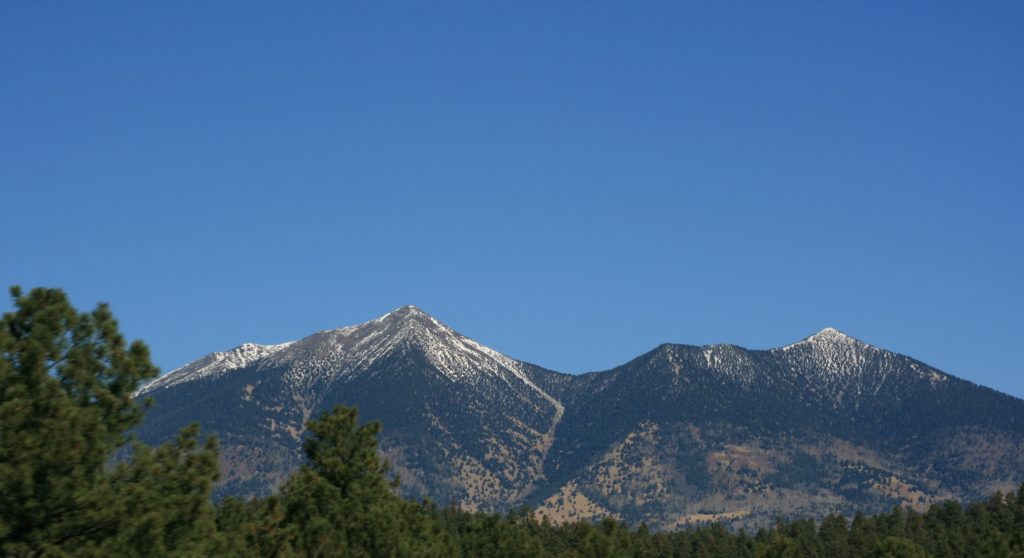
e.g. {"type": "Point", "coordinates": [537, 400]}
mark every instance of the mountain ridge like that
{"type": "Point", "coordinates": [247, 352]}
{"type": "Point", "coordinates": [828, 423]}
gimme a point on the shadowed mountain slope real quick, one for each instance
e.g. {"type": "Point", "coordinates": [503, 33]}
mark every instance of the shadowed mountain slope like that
{"type": "Point", "coordinates": [463, 422]}
{"type": "Point", "coordinates": [680, 435]}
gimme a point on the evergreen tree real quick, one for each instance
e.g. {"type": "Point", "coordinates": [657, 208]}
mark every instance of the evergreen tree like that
{"type": "Point", "coordinates": [158, 503]}
{"type": "Point", "coordinates": [779, 546]}
{"type": "Point", "coordinates": [896, 547]}
{"type": "Point", "coordinates": [833, 536]}
{"type": "Point", "coordinates": [862, 538]}
{"type": "Point", "coordinates": [66, 407]}
{"type": "Point", "coordinates": [341, 503]}
{"type": "Point", "coordinates": [254, 528]}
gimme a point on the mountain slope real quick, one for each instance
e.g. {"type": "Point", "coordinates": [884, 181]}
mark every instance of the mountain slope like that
{"type": "Point", "coordinates": [463, 422]}
{"type": "Point", "coordinates": [679, 435]}
{"type": "Point", "coordinates": [685, 434]}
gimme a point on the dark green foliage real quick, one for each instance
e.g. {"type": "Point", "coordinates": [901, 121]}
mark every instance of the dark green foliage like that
{"type": "Point", "coordinates": [66, 384]}
{"type": "Point", "coordinates": [66, 381]}
{"type": "Point", "coordinates": [896, 547]}
{"type": "Point", "coordinates": [314, 517]}
{"type": "Point", "coordinates": [992, 528]}
{"type": "Point", "coordinates": [340, 504]}
{"type": "Point", "coordinates": [342, 495]}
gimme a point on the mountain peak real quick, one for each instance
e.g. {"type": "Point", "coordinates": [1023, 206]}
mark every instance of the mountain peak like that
{"type": "Point", "coordinates": [404, 312]}
{"type": "Point", "coordinates": [406, 319]}
{"type": "Point", "coordinates": [408, 310]}
{"type": "Point", "coordinates": [357, 348]}
{"type": "Point", "coordinates": [830, 334]}
{"type": "Point", "coordinates": [828, 337]}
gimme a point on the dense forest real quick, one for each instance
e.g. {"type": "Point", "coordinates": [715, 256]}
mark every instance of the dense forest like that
{"type": "Point", "coordinates": [74, 483]}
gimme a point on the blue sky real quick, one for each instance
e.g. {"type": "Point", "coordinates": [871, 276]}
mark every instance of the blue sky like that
{"type": "Point", "coordinates": [569, 183]}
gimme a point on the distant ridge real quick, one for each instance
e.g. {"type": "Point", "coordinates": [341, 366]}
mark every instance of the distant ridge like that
{"type": "Point", "coordinates": [679, 435]}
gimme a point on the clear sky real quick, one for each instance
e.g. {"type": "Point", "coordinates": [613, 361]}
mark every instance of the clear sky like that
{"type": "Point", "coordinates": [569, 183]}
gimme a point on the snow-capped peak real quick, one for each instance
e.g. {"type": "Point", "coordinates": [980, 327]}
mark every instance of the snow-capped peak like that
{"type": "Point", "coordinates": [835, 357]}
{"type": "Point", "coordinates": [403, 312]}
{"type": "Point", "coordinates": [826, 337]}
{"type": "Point", "coordinates": [830, 334]}
{"type": "Point", "coordinates": [354, 350]}
{"type": "Point", "coordinates": [455, 355]}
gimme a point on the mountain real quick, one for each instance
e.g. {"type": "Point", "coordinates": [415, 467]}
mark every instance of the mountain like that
{"type": "Point", "coordinates": [680, 435]}
{"type": "Point", "coordinates": [687, 434]}
{"type": "Point", "coordinates": [464, 423]}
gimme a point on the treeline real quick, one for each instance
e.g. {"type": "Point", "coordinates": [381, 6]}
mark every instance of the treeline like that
{"type": "Point", "coordinates": [994, 528]}
{"type": "Point", "coordinates": [72, 482]}
{"type": "Point", "coordinates": [388, 526]}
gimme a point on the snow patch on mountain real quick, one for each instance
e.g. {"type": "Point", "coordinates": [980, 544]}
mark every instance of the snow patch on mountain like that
{"type": "Point", "coordinates": [827, 337]}
{"type": "Point", "coordinates": [215, 364]}
{"type": "Point", "coordinates": [730, 361]}
{"type": "Point", "coordinates": [350, 351]}
{"type": "Point", "coordinates": [831, 353]}
{"type": "Point", "coordinates": [355, 349]}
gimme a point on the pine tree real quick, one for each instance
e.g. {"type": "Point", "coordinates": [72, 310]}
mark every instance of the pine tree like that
{"type": "Point", "coordinates": [896, 547]}
{"type": "Point", "coordinates": [66, 408]}
{"type": "Point", "coordinates": [779, 546]}
{"type": "Point", "coordinates": [833, 536]}
{"type": "Point", "coordinates": [341, 503]}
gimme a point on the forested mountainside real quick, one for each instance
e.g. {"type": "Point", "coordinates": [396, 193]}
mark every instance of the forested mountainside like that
{"type": "Point", "coordinates": [68, 377]}
{"type": "Point", "coordinates": [678, 436]}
